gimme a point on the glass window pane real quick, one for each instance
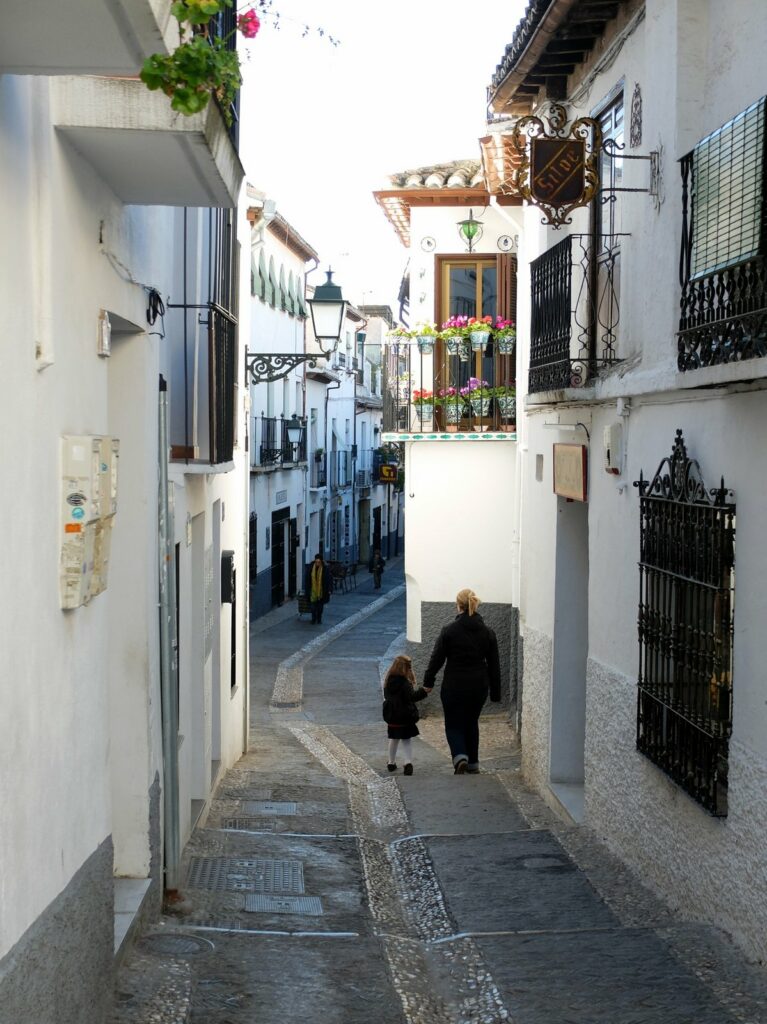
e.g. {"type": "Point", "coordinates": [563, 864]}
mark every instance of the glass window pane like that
{"type": "Point", "coordinates": [489, 292]}
{"type": "Point", "coordinates": [462, 299]}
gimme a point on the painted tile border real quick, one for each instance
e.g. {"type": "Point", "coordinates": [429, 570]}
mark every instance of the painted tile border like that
{"type": "Point", "coordinates": [462, 436]}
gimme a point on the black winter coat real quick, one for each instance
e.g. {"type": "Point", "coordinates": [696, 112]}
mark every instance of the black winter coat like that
{"type": "Point", "coordinates": [400, 698]}
{"type": "Point", "coordinates": [470, 649]}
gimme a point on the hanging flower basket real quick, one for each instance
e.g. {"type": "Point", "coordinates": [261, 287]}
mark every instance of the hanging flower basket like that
{"type": "Point", "coordinates": [479, 340]}
{"type": "Point", "coordinates": [506, 344]}
{"type": "Point", "coordinates": [425, 344]}
{"type": "Point", "coordinates": [453, 345]}
{"type": "Point", "coordinates": [507, 408]}
{"type": "Point", "coordinates": [464, 350]}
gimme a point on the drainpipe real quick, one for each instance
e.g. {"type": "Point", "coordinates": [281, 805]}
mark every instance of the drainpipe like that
{"type": "Point", "coordinates": [168, 655]}
{"type": "Point", "coordinates": [358, 331]}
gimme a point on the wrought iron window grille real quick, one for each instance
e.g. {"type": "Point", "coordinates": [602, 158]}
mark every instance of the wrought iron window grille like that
{"type": "Point", "coordinates": [575, 311]}
{"type": "Point", "coordinates": [722, 266]}
{"type": "Point", "coordinates": [685, 627]}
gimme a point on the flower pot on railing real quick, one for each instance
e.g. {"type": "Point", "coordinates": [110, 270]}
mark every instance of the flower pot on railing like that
{"type": "Point", "coordinates": [507, 408]}
{"type": "Point", "coordinates": [424, 411]}
{"type": "Point", "coordinates": [464, 350]}
{"type": "Point", "coordinates": [453, 345]}
{"type": "Point", "coordinates": [480, 406]}
{"type": "Point", "coordinates": [506, 344]}
{"type": "Point", "coordinates": [453, 413]}
{"type": "Point", "coordinates": [479, 340]}
{"type": "Point", "coordinates": [425, 344]}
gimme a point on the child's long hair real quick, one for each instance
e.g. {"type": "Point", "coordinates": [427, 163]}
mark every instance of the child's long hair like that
{"type": "Point", "coordinates": [401, 666]}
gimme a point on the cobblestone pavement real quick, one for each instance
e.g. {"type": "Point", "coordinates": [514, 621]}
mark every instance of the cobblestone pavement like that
{"type": "Point", "coordinates": [322, 888]}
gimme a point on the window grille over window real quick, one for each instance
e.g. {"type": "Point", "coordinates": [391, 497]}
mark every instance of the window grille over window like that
{"type": "Point", "coordinates": [722, 268]}
{"type": "Point", "coordinates": [686, 591]}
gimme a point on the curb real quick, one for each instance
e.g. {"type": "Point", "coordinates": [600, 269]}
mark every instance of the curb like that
{"type": "Point", "coordinates": [288, 689]}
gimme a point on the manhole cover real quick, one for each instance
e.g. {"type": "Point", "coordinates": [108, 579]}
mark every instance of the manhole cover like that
{"type": "Point", "coordinates": [246, 875]}
{"type": "Point", "coordinates": [175, 944]}
{"type": "Point", "coordinates": [249, 824]}
{"type": "Point", "coordinates": [275, 808]}
{"type": "Point", "coordinates": [308, 905]}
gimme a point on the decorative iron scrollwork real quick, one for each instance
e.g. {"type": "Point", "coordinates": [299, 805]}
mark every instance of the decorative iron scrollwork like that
{"type": "Point", "coordinates": [635, 133]}
{"type": "Point", "coordinates": [559, 169]}
{"type": "Point", "coordinates": [678, 478]}
{"type": "Point", "coordinates": [264, 367]}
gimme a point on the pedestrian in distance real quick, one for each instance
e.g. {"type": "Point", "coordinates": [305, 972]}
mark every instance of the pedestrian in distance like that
{"type": "Point", "coordinates": [318, 587]}
{"type": "Point", "coordinates": [469, 651]}
{"type": "Point", "coordinates": [400, 712]}
{"type": "Point", "coordinates": [376, 566]}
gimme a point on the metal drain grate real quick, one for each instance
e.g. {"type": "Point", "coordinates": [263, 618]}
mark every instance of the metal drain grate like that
{"type": "Point", "coordinates": [309, 906]}
{"type": "Point", "coordinates": [249, 824]}
{"type": "Point", "coordinates": [278, 808]}
{"type": "Point", "coordinates": [230, 874]}
{"type": "Point", "coordinates": [175, 944]}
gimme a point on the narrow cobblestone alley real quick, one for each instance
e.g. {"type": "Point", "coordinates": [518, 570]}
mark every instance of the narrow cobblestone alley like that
{"type": "Point", "coordinates": [321, 889]}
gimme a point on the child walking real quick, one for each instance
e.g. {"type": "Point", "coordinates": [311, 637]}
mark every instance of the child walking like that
{"type": "Point", "coordinates": [399, 710]}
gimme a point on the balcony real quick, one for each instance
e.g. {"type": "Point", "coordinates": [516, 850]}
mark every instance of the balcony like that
{"type": "Point", "coordinates": [271, 448]}
{"type": "Point", "coordinates": [318, 473]}
{"type": "Point", "coordinates": [575, 312]}
{"type": "Point", "coordinates": [364, 468]}
{"type": "Point", "coordinates": [148, 154]}
{"type": "Point", "coordinates": [85, 38]}
{"type": "Point", "coordinates": [448, 396]}
{"type": "Point", "coordinates": [339, 470]}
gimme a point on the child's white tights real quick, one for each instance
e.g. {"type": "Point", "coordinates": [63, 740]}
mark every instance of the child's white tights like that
{"type": "Point", "coordinates": [407, 751]}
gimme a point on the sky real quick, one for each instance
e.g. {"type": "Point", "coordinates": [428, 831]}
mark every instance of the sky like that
{"type": "Point", "coordinates": [323, 127]}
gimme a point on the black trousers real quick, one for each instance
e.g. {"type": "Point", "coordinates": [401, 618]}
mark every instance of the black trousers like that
{"type": "Point", "coordinates": [317, 609]}
{"type": "Point", "coordinates": [462, 711]}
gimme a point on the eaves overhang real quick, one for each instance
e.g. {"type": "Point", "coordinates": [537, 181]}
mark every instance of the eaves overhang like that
{"type": "Point", "coordinates": [553, 38]}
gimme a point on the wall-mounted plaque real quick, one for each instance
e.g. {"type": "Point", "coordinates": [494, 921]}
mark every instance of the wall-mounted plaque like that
{"type": "Point", "coordinates": [571, 478]}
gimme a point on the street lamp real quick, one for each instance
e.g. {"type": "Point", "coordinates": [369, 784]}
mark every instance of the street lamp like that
{"type": "Point", "coordinates": [470, 231]}
{"type": "Point", "coordinates": [327, 308]}
{"type": "Point", "coordinates": [295, 430]}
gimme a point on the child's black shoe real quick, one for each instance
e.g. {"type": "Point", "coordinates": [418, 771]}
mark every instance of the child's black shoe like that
{"type": "Point", "coordinates": [408, 769]}
{"type": "Point", "coordinates": [392, 767]}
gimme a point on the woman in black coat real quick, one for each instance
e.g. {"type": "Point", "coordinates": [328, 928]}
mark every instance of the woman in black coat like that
{"type": "Point", "coordinates": [469, 650]}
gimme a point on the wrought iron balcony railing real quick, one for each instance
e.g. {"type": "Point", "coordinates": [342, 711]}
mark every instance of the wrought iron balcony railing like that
{"type": "Point", "coordinates": [271, 445]}
{"type": "Point", "coordinates": [575, 313]}
{"type": "Point", "coordinates": [447, 390]}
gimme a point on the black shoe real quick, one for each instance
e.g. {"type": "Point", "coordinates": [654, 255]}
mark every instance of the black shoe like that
{"type": "Point", "coordinates": [391, 767]}
{"type": "Point", "coordinates": [408, 770]}
{"type": "Point", "coordinates": [460, 766]}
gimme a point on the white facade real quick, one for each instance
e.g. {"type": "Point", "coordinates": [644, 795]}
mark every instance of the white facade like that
{"type": "Point", "coordinates": [82, 790]}
{"type": "Point", "coordinates": [697, 66]}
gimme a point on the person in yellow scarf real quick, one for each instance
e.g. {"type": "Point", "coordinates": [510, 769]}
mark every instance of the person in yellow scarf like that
{"type": "Point", "coordinates": [318, 587]}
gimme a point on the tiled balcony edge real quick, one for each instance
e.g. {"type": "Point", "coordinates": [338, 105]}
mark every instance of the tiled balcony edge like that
{"type": "Point", "coordinates": [465, 435]}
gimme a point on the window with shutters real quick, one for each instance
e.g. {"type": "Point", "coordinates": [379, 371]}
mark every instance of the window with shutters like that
{"type": "Point", "coordinates": [723, 272]}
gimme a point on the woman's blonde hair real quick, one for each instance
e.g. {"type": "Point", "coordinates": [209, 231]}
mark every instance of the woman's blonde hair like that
{"type": "Point", "coordinates": [401, 666]}
{"type": "Point", "coordinates": [467, 601]}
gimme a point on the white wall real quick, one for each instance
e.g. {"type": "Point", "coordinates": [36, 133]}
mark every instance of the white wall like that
{"type": "Point", "coordinates": [459, 505]}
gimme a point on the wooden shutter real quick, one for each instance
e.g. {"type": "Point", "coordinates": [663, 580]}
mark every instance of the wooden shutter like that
{"type": "Point", "coordinates": [506, 273]}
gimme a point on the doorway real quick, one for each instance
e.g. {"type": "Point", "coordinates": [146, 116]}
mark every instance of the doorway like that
{"type": "Point", "coordinates": [364, 528]}
{"type": "Point", "coordinates": [292, 557]}
{"type": "Point", "coordinates": [279, 522]}
{"type": "Point", "coordinates": [570, 652]}
{"type": "Point", "coordinates": [377, 529]}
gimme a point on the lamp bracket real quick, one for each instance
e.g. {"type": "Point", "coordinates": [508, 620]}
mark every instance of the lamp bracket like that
{"type": "Point", "coordinates": [265, 367]}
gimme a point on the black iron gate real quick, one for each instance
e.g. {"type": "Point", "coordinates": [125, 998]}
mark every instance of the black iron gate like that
{"type": "Point", "coordinates": [686, 592]}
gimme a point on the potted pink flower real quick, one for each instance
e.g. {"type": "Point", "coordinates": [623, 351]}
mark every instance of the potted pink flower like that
{"type": "Point", "coordinates": [505, 334]}
{"type": "Point", "coordinates": [480, 330]}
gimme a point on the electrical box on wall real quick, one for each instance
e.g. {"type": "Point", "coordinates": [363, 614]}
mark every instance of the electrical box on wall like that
{"type": "Point", "coordinates": [613, 448]}
{"type": "Point", "coordinates": [88, 506]}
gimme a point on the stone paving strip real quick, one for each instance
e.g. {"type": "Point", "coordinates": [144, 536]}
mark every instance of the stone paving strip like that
{"type": "Point", "coordinates": [288, 692]}
{"type": "Point", "coordinates": [403, 888]}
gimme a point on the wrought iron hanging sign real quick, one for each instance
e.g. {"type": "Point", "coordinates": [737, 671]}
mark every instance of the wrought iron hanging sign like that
{"type": "Point", "coordinates": [558, 169]}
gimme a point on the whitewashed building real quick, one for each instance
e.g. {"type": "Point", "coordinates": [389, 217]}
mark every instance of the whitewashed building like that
{"type": "Point", "coordinates": [460, 463]}
{"type": "Point", "coordinates": [118, 274]}
{"type": "Point", "coordinates": [643, 338]}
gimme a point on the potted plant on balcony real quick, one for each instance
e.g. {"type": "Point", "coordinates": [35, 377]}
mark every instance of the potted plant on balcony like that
{"type": "Point", "coordinates": [453, 333]}
{"type": "Point", "coordinates": [479, 332]}
{"type": "Point", "coordinates": [453, 403]}
{"type": "Point", "coordinates": [505, 396]}
{"type": "Point", "coordinates": [426, 337]}
{"type": "Point", "coordinates": [478, 394]}
{"type": "Point", "coordinates": [319, 454]}
{"type": "Point", "coordinates": [202, 65]}
{"type": "Point", "coordinates": [505, 334]}
{"type": "Point", "coordinates": [423, 400]}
